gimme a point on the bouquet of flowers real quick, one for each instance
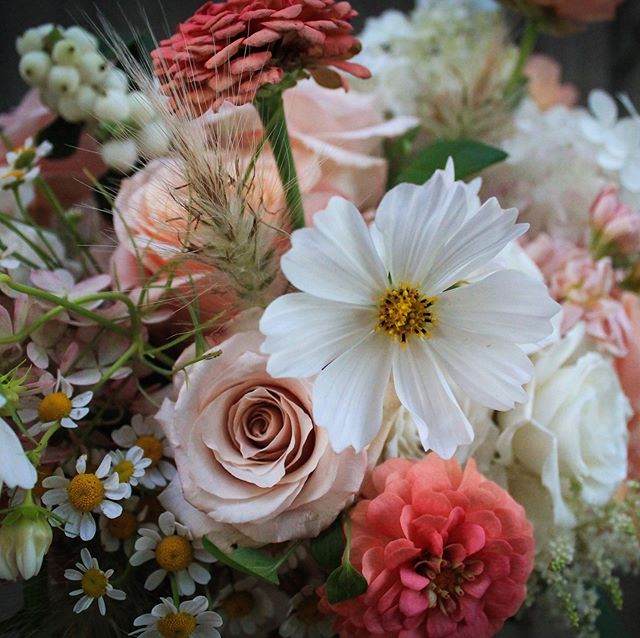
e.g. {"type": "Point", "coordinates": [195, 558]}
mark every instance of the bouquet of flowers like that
{"type": "Point", "coordinates": [309, 335]}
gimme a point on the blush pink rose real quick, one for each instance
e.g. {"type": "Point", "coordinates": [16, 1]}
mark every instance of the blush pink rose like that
{"type": "Point", "coordinates": [66, 176]}
{"type": "Point", "coordinates": [446, 554]}
{"type": "Point", "coordinates": [252, 464]}
{"type": "Point", "coordinates": [545, 83]}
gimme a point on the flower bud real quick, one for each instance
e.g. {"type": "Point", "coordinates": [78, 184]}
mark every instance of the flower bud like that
{"type": "Point", "coordinates": [615, 226]}
{"type": "Point", "coordinates": [66, 52]}
{"type": "Point", "coordinates": [121, 155]}
{"type": "Point", "coordinates": [25, 538]}
{"type": "Point", "coordinates": [93, 68]}
{"type": "Point", "coordinates": [34, 67]}
{"type": "Point", "coordinates": [63, 80]}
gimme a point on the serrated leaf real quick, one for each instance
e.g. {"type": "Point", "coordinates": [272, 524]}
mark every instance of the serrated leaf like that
{"type": "Point", "coordinates": [65, 137]}
{"type": "Point", "coordinates": [327, 549]}
{"type": "Point", "coordinates": [344, 583]}
{"type": "Point", "coordinates": [251, 561]}
{"type": "Point", "coordinates": [469, 157]}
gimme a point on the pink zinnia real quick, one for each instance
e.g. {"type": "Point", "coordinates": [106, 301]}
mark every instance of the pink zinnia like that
{"type": "Point", "coordinates": [446, 553]}
{"type": "Point", "coordinates": [228, 50]}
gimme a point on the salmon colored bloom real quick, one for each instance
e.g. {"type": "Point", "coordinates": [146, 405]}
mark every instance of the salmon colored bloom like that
{"type": "Point", "coordinates": [545, 83]}
{"type": "Point", "coordinates": [446, 554]}
{"type": "Point", "coordinates": [228, 50]}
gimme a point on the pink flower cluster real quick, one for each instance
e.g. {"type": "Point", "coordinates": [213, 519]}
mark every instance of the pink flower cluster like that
{"type": "Point", "coordinates": [586, 289]}
{"type": "Point", "coordinates": [446, 554]}
{"type": "Point", "coordinates": [228, 50]}
{"type": "Point", "coordinates": [614, 223]}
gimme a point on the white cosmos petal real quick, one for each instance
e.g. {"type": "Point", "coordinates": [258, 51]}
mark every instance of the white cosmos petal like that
{"type": "Point", "coordinates": [336, 259]}
{"type": "Point", "coordinates": [479, 240]}
{"type": "Point", "coordinates": [424, 391]}
{"type": "Point", "coordinates": [15, 467]}
{"type": "Point", "coordinates": [415, 221]}
{"type": "Point", "coordinates": [490, 371]}
{"type": "Point", "coordinates": [507, 305]}
{"type": "Point", "coordinates": [603, 107]}
{"type": "Point", "coordinates": [305, 333]}
{"type": "Point", "coordinates": [348, 394]}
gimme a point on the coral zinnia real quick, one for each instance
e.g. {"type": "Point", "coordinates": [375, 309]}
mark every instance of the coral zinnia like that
{"type": "Point", "coordinates": [446, 554]}
{"type": "Point", "coordinates": [228, 50]}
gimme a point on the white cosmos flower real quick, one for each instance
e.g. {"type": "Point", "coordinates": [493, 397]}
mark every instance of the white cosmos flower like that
{"type": "Point", "coordinates": [94, 584]}
{"type": "Point", "coordinates": [399, 298]}
{"type": "Point", "coordinates": [190, 620]}
{"type": "Point", "coordinates": [15, 468]}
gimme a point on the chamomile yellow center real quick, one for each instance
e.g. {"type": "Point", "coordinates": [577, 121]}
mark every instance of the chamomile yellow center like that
{"type": "Point", "coordinates": [54, 406]}
{"type": "Point", "coordinates": [86, 492]}
{"type": "Point", "coordinates": [238, 604]}
{"type": "Point", "coordinates": [125, 470]}
{"type": "Point", "coordinates": [174, 553]}
{"type": "Point", "coordinates": [308, 612]}
{"type": "Point", "coordinates": [404, 312]}
{"type": "Point", "coordinates": [94, 583]}
{"type": "Point", "coordinates": [123, 527]}
{"type": "Point", "coordinates": [152, 448]}
{"type": "Point", "coordinates": [176, 625]}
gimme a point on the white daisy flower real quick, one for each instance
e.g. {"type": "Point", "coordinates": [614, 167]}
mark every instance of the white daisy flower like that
{"type": "Point", "coordinates": [175, 552]}
{"type": "Point", "coordinates": [146, 434]}
{"type": "Point", "coordinates": [75, 499]}
{"type": "Point", "coordinates": [130, 466]}
{"type": "Point", "coordinates": [94, 584]}
{"type": "Point", "coordinates": [245, 607]}
{"type": "Point", "coordinates": [190, 620]}
{"type": "Point", "coordinates": [304, 619]}
{"type": "Point", "coordinates": [22, 163]}
{"type": "Point", "coordinates": [398, 298]}
{"type": "Point", "coordinates": [16, 470]}
{"type": "Point", "coordinates": [58, 405]}
{"type": "Point", "coordinates": [121, 531]}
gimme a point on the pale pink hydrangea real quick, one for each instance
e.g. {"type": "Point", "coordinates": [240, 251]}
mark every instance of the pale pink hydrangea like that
{"type": "Point", "coordinates": [614, 223]}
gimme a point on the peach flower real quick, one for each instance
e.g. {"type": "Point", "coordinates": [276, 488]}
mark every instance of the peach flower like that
{"type": "Point", "coordinates": [446, 553]}
{"type": "Point", "coordinates": [252, 464]}
{"type": "Point", "coordinates": [545, 83]}
{"type": "Point", "coordinates": [628, 369]}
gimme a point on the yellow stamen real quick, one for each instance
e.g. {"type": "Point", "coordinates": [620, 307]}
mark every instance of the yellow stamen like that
{"type": "Point", "coordinates": [125, 470]}
{"type": "Point", "coordinates": [54, 407]}
{"type": "Point", "coordinates": [124, 526]}
{"type": "Point", "coordinates": [238, 604]}
{"type": "Point", "coordinates": [94, 583]}
{"type": "Point", "coordinates": [405, 312]}
{"type": "Point", "coordinates": [308, 612]}
{"type": "Point", "coordinates": [176, 625]}
{"type": "Point", "coordinates": [174, 553]}
{"type": "Point", "coordinates": [86, 492]}
{"type": "Point", "coordinates": [152, 448]}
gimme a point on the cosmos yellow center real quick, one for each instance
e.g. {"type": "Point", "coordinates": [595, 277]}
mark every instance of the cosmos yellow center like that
{"type": "Point", "coordinates": [174, 553]}
{"type": "Point", "coordinates": [94, 583]}
{"type": "Point", "coordinates": [86, 492]}
{"type": "Point", "coordinates": [152, 448]}
{"type": "Point", "coordinates": [122, 527]}
{"type": "Point", "coordinates": [176, 625]}
{"type": "Point", "coordinates": [125, 470]}
{"type": "Point", "coordinates": [238, 604]}
{"type": "Point", "coordinates": [54, 407]}
{"type": "Point", "coordinates": [404, 312]}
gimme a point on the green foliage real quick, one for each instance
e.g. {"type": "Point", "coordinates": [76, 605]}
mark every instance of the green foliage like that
{"type": "Point", "coordinates": [327, 549]}
{"type": "Point", "coordinates": [344, 583]}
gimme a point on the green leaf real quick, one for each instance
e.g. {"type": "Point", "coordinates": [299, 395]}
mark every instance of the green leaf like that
{"type": "Point", "coordinates": [344, 583]}
{"type": "Point", "coordinates": [65, 137]}
{"type": "Point", "coordinates": [251, 561]}
{"type": "Point", "coordinates": [327, 549]}
{"type": "Point", "coordinates": [469, 157]}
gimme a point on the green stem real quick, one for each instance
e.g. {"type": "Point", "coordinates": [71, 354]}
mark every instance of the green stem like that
{"type": "Point", "coordinates": [527, 45]}
{"type": "Point", "coordinates": [270, 107]}
{"type": "Point", "coordinates": [175, 592]}
{"type": "Point", "coordinates": [35, 455]}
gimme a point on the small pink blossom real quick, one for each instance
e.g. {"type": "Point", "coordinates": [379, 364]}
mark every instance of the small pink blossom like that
{"type": "Point", "coordinates": [615, 223]}
{"type": "Point", "coordinates": [545, 83]}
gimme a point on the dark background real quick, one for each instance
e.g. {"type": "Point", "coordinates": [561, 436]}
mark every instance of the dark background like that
{"type": "Point", "coordinates": [606, 56]}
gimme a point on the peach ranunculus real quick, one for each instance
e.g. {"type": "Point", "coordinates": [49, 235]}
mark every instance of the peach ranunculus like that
{"type": "Point", "coordinates": [573, 11]}
{"type": "Point", "coordinates": [66, 176]}
{"type": "Point", "coordinates": [252, 465]}
{"type": "Point", "coordinates": [445, 552]}
{"type": "Point", "coordinates": [545, 83]}
{"type": "Point", "coordinates": [628, 368]}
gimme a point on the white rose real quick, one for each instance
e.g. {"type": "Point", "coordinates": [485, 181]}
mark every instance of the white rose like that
{"type": "Point", "coordinates": [571, 433]}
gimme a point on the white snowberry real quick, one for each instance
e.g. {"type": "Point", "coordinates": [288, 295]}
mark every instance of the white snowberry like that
{"type": "Point", "coordinates": [34, 67]}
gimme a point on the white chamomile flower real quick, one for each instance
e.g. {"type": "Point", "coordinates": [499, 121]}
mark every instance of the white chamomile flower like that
{"type": "Point", "coordinates": [130, 466]}
{"type": "Point", "coordinates": [175, 552]}
{"type": "Point", "coordinates": [94, 584]}
{"type": "Point", "coordinates": [406, 297]}
{"type": "Point", "coordinates": [304, 619]}
{"type": "Point", "coordinates": [121, 531]}
{"type": "Point", "coordinates": [58, 405]}
{"type": "Point", "coordinates": [245, 607]}
{"type": "Point", "coordinates": [146, 434]}
{"type": "Point", "coordinates": [22, 163]}
{"type": "Point", "coordinates": [190, 620]}
{"type": "Point", "coordinates": [74, 500]}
